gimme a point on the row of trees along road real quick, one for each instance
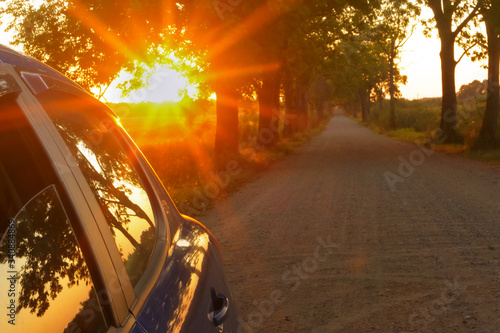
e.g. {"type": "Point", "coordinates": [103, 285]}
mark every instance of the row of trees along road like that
{"type": "Point", "coordinates": [306, 52]}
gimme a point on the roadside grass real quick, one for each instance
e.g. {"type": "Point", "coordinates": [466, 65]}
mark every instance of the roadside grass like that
{"type": "Point", "coordinates": [492, 157]}
{"type": "Point", "coordinates": [180, 148]}
{"type": "Point", "coordinates": [418, 120]}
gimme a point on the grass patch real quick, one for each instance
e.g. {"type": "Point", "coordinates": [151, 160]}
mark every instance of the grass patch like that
{"type": "Point", "coordinates": [180, 147]}
{"type": "Point", "coordinates": [416, 121]}
{"type": "Point", "coordinates": [407, 134]}
{"type": "Point", "coordinates": [492, 157]}
{"type": "Point", "coordinates": [452, 149]}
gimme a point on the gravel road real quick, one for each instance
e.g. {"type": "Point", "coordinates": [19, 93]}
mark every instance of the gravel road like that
{"type": "Point", "coordinates": [356, 232]}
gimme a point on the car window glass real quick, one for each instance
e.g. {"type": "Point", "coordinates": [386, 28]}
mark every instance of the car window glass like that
{"type": "Point", "coordinates": [45, 281]}
{"type": "Point", "coordinates": [23, 165]}
{"type": "Point", "coordinates": [92, 136]}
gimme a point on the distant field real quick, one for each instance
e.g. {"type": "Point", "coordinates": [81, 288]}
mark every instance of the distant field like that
{"type": "Point", "coordinates": [178, 141]}
{"type": "Point", "coordinates": [157, 123]}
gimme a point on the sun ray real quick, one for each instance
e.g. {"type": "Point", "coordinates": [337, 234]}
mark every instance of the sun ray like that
{"type": "Point", "coordinates": [261, 17]}
{"type": "Point", "coordinates": [87, 18]}
{"type": "Point", "coordinates": [243, 71]}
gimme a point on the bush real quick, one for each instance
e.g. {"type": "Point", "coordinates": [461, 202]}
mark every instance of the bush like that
{"type": "Point", "coordinates": [416, 119]}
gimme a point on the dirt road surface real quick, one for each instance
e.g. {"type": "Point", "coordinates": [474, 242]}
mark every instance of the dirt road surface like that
{"type": "Point", "coordinates": [331, 240]}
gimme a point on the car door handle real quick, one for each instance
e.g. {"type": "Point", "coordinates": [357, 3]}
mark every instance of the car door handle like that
{"type": "Point", "coordinates": [219, 311]}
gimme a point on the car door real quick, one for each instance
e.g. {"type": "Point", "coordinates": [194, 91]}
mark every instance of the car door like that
{"type": "Point", "coordinates": [168, 267]}
{"type": "Point", "coordinates": [46, 282]}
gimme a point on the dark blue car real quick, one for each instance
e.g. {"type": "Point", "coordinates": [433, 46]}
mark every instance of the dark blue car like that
{"type": "Point", "coordinates": [90, 241]}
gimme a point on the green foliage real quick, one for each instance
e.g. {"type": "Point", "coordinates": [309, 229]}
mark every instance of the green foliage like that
{"type": "Point", "coordinates": [369, 48]}
{"type": "Point", "coordinates": [473, 90]}
{"type": "Point", "coordinates": [417, 119]}
{"type": "Point", "coordinates": [471, 114]}
{"type": "Point", "coordinates": [420, 116]}
{"type": "Point", "coordinates": [50, 33]}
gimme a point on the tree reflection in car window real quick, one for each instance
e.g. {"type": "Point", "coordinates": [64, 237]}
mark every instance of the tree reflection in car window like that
{"type": "Point", "coordinates": [89, 132]}
{"type": "Point", "coordinates": [48, 281]}
{"type": "Point", "coordinates": [52, 280]}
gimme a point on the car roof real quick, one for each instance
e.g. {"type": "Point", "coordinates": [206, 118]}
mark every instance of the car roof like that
{"type": "Point", "coordinates": [16, 58]}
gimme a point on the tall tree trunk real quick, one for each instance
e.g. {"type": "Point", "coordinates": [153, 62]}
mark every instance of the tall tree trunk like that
{"type": "Point", "coordinates": [380, 100]}
{"type": "Point", "coordinates": [353, 109]}
{"type": "Point", "coordinates": [320, 108]}
{"type": "Point", "coordinates": [449, 101]}
{"type": "Point", "coordinates": [290, 115]}
{"type": "Point", "coordinates": [489, 126]}
{"type": "Point", "coordinates": [392, 103]}
{"type": "Point", "coordinates": [269, 109]}
{"type": "Point", "coordinates": [302, 108]}
{"type": "Point", "coordinates": [226, 133]}
{"type": "Point", "coordinates": [364, 96]}
{"type": "Point", "coordinates": [444, 12]}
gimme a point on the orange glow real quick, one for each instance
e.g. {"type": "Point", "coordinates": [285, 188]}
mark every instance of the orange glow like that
{"type": "Point", "coordinates": [242, 71]}
{"type": "Point", "coordinates": [168, 10]}
{"type": "Point", "coordinates": [86, 17]}
{"type": "Point", "coordinates": [201, 156]}
{"type": "Point", "coordinates": [259, 19]}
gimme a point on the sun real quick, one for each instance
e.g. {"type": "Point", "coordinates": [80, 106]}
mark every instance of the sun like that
{"type": "Point", "coordinates": [165, 85]}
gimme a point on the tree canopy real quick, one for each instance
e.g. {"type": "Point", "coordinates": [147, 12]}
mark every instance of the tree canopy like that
{"type": "Point", "coordinates": [279, 51]}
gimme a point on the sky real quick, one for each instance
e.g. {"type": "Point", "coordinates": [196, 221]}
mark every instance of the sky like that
{"type": "Point", "coordinates": [419, 61]}
{"type": "Point", "coordinates": [165, 85]}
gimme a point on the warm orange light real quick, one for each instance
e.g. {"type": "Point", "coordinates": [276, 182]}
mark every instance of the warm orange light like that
{"type": "Point", "coordinates": [259, 19]}
{"type": "Point", "coordinates": [244, 70]}
{"type": "Point", "coordinates": [86, 17]}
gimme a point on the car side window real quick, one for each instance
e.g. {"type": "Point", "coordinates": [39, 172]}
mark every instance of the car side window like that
{"type": "Point", "coordinates": [91, 135]}
{"type": "Point", "coordinates": [45, 280]}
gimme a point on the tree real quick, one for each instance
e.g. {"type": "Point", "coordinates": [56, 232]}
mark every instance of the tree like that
{"type": "Point", "coordinates": [491, 17]}
{"type": "Point", "coordinates": [312, 33]}
{"type": "Point", "coordinates": [394, 31]}
{"type": "Point", "coordinates": [472, 90]}
{"type": "Point", "coordinates": [84, 37]}
{"type": "Point", "coordinates": [47, 246]}
{"type": "Point", "coordinates": [318, 92]}
{"type": "Point", "coordinates": [227, 45]}
{"type": "Point", "coordinates": [297, 43]}
{"type": "Point", "coordinates": [360, 63]}
{"type": "Point", "coordinates": [451, 19]}
{"type": "Point", "coordinates": [268, 55]}
{"type": "Point", "coordinates": [50, 33]}
{"type": "Point", "coordinates": [220, 35]}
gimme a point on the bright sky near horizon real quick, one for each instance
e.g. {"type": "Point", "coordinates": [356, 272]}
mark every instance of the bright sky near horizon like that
{"type": "Point", "coordinates": [420, 62]}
